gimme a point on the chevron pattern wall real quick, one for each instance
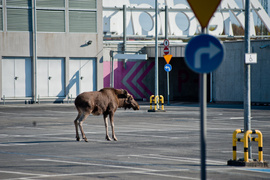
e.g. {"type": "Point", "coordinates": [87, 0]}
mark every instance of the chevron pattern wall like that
{"type": "Point", "coordinates": [137, 77]}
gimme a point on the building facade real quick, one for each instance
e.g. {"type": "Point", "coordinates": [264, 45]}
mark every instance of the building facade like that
{"type": "Point", "coordinates": [50, 49]}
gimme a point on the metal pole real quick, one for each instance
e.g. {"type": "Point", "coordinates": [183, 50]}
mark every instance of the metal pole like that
{"type": "Point", "coordinates": [203, 112]}
{"type": "Point", "coordinates": [247, 91]}
{"type": "Point", "coordinates": [35, 50]}
{"type": "Point", "coordinates": [166, 37]}
{"type": "Point", "coordinates": [166, 22]}
{"type": "Point", "coordinates": [124, 28]}
{"type": "Point", "coordinates": [124, 33]}
{"type": "Point", "coordinates": [211, 87]}
{"type": "Point", "coordinates": [111, 69]}
{"type": "Point", "coordinates": [203, 123]}
{"type": "Point", "coordinates": [156, 49]}
{"type": "Point", "coordinates": [112, 85]}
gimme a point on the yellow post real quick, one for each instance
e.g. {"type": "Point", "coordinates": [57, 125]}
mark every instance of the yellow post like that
{"type": "Point", "coordinates": [162, 102]}
{"type": "Point", "coordinates": [246, 137]}
{"type": "Point", "coordinates": [151, 101]}
{"type": "Point", "coordinates": [234, 140]}
{"type": "Point", "coordinates": [260, 145]}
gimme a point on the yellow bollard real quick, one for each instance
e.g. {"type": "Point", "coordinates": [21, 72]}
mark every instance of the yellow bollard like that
{"type": "Point", "coordinates": [246, 135]}
{"type": "Point", "coordinates": [156, 99]}
{"type": "Point", "coordinates": [151, 101]}
{"type": "Point", "coordinates": [260, 144]}
{"type": "Point", "coordinates": [162, 102]}
{"type": "Point", "coordinates": [234, 140]}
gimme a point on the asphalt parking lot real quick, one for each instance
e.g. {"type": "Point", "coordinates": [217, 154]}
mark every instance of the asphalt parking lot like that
{"type": "Point", "coordinates": [38, 142]}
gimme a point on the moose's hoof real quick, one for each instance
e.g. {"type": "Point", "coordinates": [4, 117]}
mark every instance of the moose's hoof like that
{"type": "Point", "coordinates": [115, 139]}
{"type": "Point", "coordinates": [108, 138]}
{"type": "Point", "coordinates": [77, 138]}
{"type": "Point", "coordinates": [85, 139]}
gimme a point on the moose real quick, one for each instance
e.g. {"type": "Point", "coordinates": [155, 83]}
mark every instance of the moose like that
{"type": "Point", "coordinates": [105, 101]}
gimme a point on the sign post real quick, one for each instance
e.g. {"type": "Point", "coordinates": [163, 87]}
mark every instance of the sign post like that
{"type": "Point", "coordinates": [197, 60]}
{"type": "Point", "coordinates": [203, 54]}
{"type": "Point", "coordinates": [167, 67]}
{"type": "Point", "coordinates": [247, 72]}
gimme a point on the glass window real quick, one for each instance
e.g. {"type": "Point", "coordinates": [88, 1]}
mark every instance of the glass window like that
{"type": "Point", "coordinates": [50, 21]}
{"type": "Point", "coordinates": [81, 21]}
{"type": "Point", "coordinates": [19, 15]}
{"type": "Point", "coordinates": [82, 4]}
{"type": "Point", "coordinates": [51, 15]}
{"type": "Point", "coordinates": [19, 3]}
{"type": "Point", "coordinates": [19, 19]}
{"type": "Point", "coordinates": [51, 3]}
{"type": "Point", "coordinates": [82, 16]}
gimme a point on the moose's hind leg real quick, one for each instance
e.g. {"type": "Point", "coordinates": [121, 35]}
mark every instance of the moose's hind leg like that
{"type": "Point", "coordinates": [112, 127]}
{"type": "Point", "coordinates": [82, 118]}
{"type": "Point", "coordinates": [76, 127]}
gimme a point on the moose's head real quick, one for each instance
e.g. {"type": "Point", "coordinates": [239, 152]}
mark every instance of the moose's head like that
{"type": "Point", "coordinates": [126, 100]}
{"type": "Point", "coordinates": [130, 102]}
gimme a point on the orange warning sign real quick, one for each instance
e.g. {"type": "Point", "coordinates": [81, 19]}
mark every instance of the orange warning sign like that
{"type": "Point", "coordinates": [204, 10]}
{"type": "Point", "coordinates": [167, 58]}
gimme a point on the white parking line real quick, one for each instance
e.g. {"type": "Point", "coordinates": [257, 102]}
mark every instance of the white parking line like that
{"type": "Point", "coordinates": [17, 144]}
{"type": "Point", "coordinates": [175, 158]}
{"type": "Point", "coordinates": [235, 118]}
{"type": "Point", "coordinates": [153, 136]}
{"type": "Point", "coordinates": [22, 173]}
{"type": "Point", "coordinates": [133, 169]}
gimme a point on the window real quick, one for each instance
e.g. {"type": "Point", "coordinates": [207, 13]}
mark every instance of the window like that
{"type": "Point", "coordinates": [81, 21]}
{"type": "Point", "coordinates": [19, 15]}
{"type": "Point", "coordinates": [82, 16]}
{"type": "Point", "coordinates": [50, 3]}
{"type": "Point", "coordinates": [82, 4]}
{"type": "Point", "coordinates": [51, 15]}
{"type": "Point", "coordinates": [19, 19]}
{"type": "Point", "coordinates": [79, 16]}
{"type": "Point", "coordinates": [50, 21]}
{"type": "Point", "coordinates": [19, 3]}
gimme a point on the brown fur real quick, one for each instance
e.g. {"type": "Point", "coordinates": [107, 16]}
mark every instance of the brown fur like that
{"type": "Point", "coordinates": [106, 101]}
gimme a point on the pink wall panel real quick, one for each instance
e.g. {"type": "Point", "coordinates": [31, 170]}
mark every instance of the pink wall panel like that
{"type": "Point", "coordinates": [136, 77]}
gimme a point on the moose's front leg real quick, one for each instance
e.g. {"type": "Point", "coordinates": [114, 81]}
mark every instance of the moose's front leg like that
{"type": "Point", "coordinates": [106, 127]}
{"type": "Point", "coordinates": [112, 126]}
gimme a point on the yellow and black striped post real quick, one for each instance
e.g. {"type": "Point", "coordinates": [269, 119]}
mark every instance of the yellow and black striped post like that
{"type": "Point", "coordinates": [246, 141]}
{"type": "Point", "coordinates": [162, 102]}
{"type": "Point", "coordinates": [157, 99]}
{"type": "Point", "coordinates": [151, 102]}
{"type": "Point", "coordinates": [234, 140]}
{"type": "Point", "coordinates": [260, 144]}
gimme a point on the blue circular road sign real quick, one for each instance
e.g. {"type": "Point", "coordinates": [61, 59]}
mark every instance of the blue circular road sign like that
{"type": "Point", "coordinates": [168, 67]}
{"type": "Point", "coordinates": [204, 53]}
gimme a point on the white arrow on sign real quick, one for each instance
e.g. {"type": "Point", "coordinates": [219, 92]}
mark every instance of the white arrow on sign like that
{"type": "Point", "coordinates": [168, 68]}
{"type": "Point", "coordinates": [212, 50]}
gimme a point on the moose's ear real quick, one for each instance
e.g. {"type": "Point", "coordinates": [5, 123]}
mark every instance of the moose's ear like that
{"type": "Point", "coordinates": [125, 92]}
{"type": "Point", "coordinates": [122, 93]}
